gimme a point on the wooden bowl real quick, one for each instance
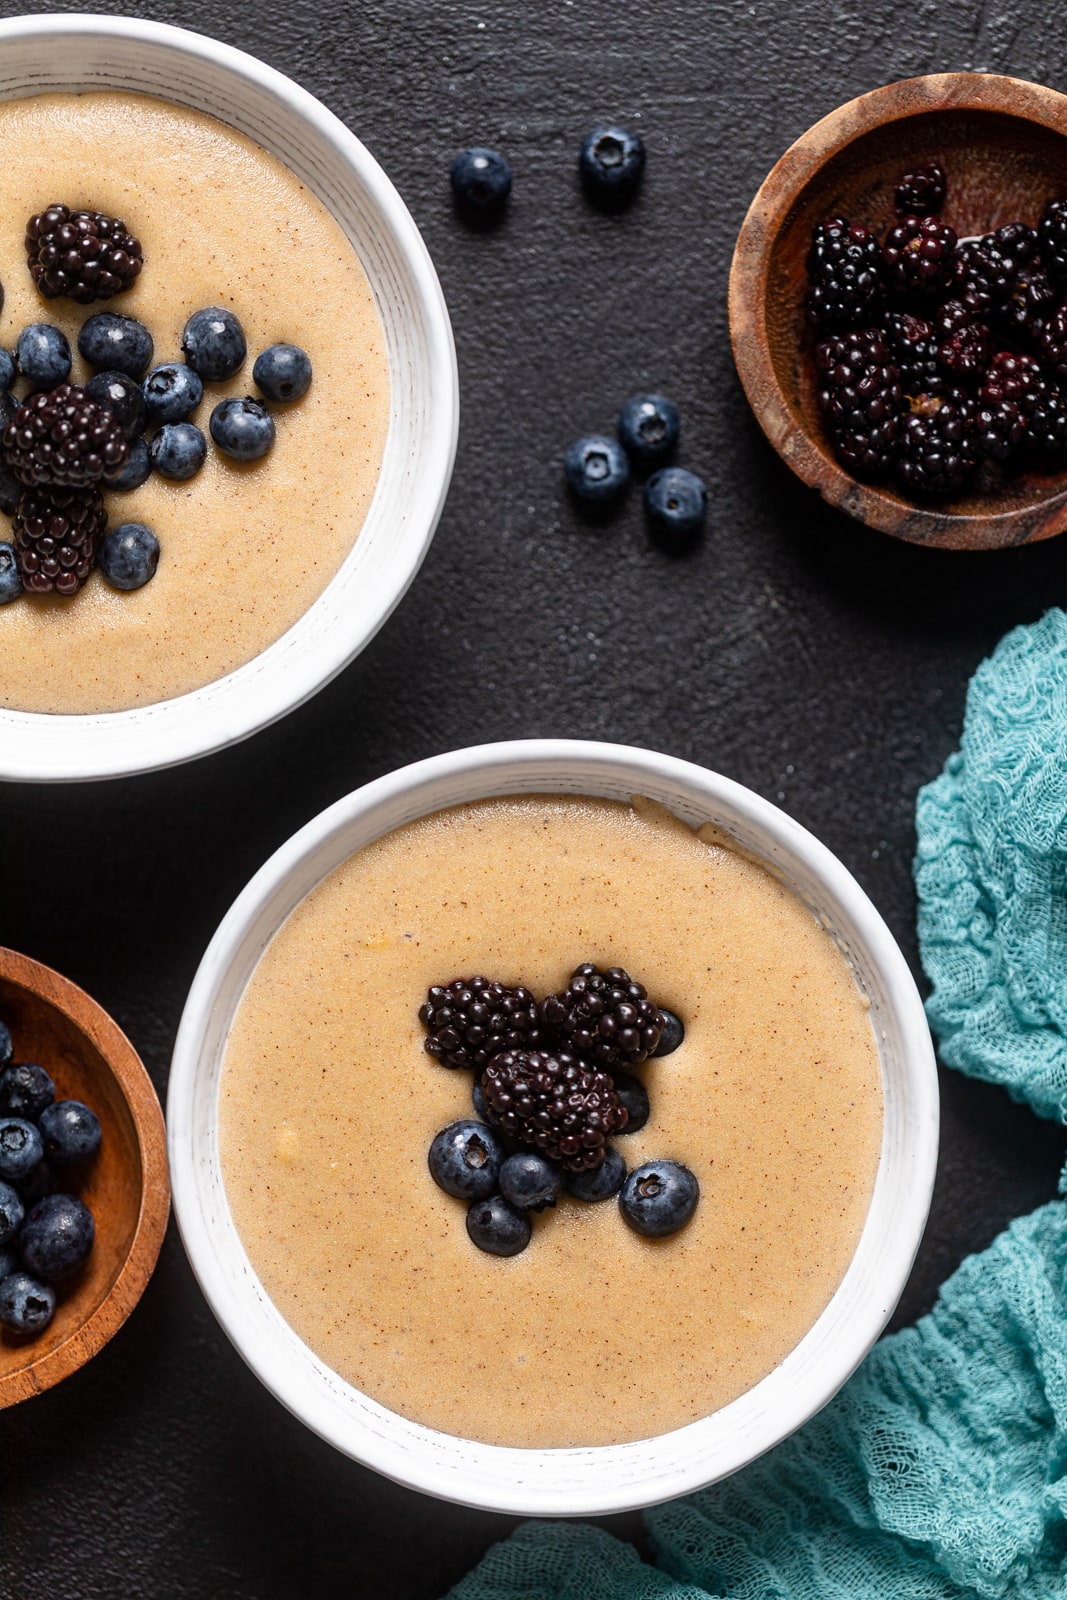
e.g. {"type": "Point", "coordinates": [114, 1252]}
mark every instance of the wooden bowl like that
{"type": "Point", "coordinates": [126, 1187]}
{"type": "Point", "coordinates": [1003, 144]}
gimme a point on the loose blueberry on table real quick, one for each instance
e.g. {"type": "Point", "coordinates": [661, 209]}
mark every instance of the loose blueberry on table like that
{"type": "Point", "coordinates": [676, 501]}
{"type": "Point", "coordinates": [552, 1091]}
{"type": "Point", "coordinates": [611, 162]}
{"type": "Point", "coordinates": [481, 181]}
{"type": "Point", "coordinates": [596, 469]}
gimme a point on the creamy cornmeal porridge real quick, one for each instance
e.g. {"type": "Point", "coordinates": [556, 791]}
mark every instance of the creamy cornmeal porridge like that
{"type": "Point", "coordinates": [593, 1335]}
{"type": "Point", "coordinates": [245, 549]}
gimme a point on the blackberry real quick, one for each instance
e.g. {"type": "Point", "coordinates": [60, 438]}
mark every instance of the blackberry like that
{"type": "Point", "coordinates": [859, 395]}
{"type": "Point", "coordinates": [913, 345]}
{"type": "Point", "coordinates": [1046, 432]}
{"type": "Point", "coordinates": [1018, 378]}
{"type": "Point", "coordinates": [471, 1020]}
{"type": "Point", "coordinates": [919, 257]}
{"type": "Point", "coordinates": [604, 1017]}
{"type": "Point", "coordinates": [1052, 341]}
{"type": "Point", "coordinates": [967, 353]}
{"type": "Point", "coordinates": [938, 444]}
{"type": "Point", "coordinates": [845, 276]}
{"type": "Point", "coordinates": [83, 255]}
{"type": "Point", "coordinates": [921, 192]}
{"type": "Point", "coordinates": [1001, 426]}
{"type": "Point", "coordinates": [57, 532]}
{"type": "Point", "coordinates": [64, 438]}
{"type": "Point", "coordinates": [1029, 300]}
{"type": "Point", "coordinates": [563, 1107]}
{"type": "Point", "coordinates": [988, 267]}
{"type": "Point", "coordinates": [1052, 239]}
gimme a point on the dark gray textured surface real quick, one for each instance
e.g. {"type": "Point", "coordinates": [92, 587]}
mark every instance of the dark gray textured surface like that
{"type": "Point", "coordinates": [821, 664]}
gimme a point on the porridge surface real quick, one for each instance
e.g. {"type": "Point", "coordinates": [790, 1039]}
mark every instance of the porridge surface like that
{"type": "Point", "coordinates": [328, 1104]}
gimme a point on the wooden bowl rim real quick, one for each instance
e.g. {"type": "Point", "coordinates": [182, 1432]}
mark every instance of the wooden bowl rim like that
{"type": "Point", "coordinates": [894, 102]}
{"type": "Point", "coordinates": [92, 1020]}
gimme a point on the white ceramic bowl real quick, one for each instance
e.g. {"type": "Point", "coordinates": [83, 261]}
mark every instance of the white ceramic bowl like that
{"type": "Point", "coordinates": [78, 52]}
{"type": "Point", "coordinates": [574, 1481]}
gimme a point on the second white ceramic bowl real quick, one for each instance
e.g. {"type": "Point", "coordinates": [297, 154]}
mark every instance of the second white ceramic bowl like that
{"type": "Point", "coordinates": [573, 1481]}
{"type": "Point", "coordinates": [78, 53]}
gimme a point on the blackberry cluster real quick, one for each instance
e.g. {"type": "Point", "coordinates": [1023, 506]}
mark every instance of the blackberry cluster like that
{"type": "Point", "coordinates": [554, 1102]}
{"type": "Point", "coordinates": [64, 438]}
{"type": "Point", "coordinates": [844, 269]}
{"type": "Point", "coordinates": [57, 534]}
{"type": "Point", "coordinates": [603, 1017]}
{"type": "Point", "coordinates": [921, 193]}
{"type": "Point", "coordinates": [952, 357]}
{"type": "Point", "coordinates": [471, 1020]}
{"type": "Point", "coordinates": [81, 255]}
{"type": "Point", "coordinates": [552, 1091]}
{"type": "Point", "coordinates": [859, 397]}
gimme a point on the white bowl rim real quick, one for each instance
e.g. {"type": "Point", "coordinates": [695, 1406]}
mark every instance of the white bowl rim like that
{"type": "Point", "coordinates": [39, 747]}
{"type": "Point", "coordinates": [525, 1481]}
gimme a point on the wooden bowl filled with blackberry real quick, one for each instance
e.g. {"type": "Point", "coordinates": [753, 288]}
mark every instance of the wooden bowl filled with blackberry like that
{"type": "Point", "coordinates": [898, 310]}
{"type": "Point", "coordinates": [84, 1191]}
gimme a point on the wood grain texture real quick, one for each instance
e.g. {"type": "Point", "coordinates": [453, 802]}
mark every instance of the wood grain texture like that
{"type": "Point", "coordinates": [1003, 144]}
{"type": "Point", "coordinates": [55, 1023]}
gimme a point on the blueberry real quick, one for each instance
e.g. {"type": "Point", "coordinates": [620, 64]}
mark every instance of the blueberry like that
{"type": "Point", "coordinates": [283, 372]}
{"type": "Point", "coordinates": [672, 1035]}
{"type": "Point", "coordinates": [659, 1198]}
{"type": "Point", "coordinates": [634, 1096]}
{"type": "Point", "coordinates": [20, 1148]}
{"type": "Point", "coordinates": [602, 1182]}
{"type": "Point", "coordinates": [178, 450]}
{"type": "Point", "coordinates": [111, 342]}
{"type": "Point", "coordinates": [12, 1212]}
{"type": "Point", "coordinates": [137, 468]}
{"type": "Point", "coordinates": [25, 1090]}
{"type": "Point", "coordinates": [56, 1236]}
{"type": "Point", "coordinates": [128, 555]}
{"type": "Point", "coordinates": [242, 429]}
{"type": "Point", "coordinates": [529, 1181]}
{"type": "Point", "coordinates": [71, 1133]}
{"type": "Point", "coordinates": [9, 1261]}
{"type": "Point", "coordinates": [26, 1306]}
{"type": "Point", "coordinates": [214, 344]}
{"type": "Point", "coordinates": [478, 1097]}
{"type": "Point", "coordinates": [10, 582]}
{"type": "Point", "coordinates": [676, 500]}
{"type": "Point", "coordinates": [596, 468]}
{"type": "Point", "coordinates": [8, 370]}
{"type": "Point", "coordinates": [481, 180]}
{"type": "Point", "coordinates": [496, 1227]}
{"type": "Point", "coordinates": [43, 356]}
{"type": "Point", "coordinates": [7, 1048]}
{"type": "Point", "coordinates": [648, 428]}
{"type": "Point", "coordinates": [465, 1160]}
{"type": "Point", "coordinates": [611, 162]}
{"type": "Point", "coordinates": [122, 395]}
{"type": "Point", "coordinates": [171, 392]}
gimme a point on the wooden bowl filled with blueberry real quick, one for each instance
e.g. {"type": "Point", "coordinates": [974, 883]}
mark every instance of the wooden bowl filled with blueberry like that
{"type": "Point", "coordinates": [84, 1192]}
{"type": "Point", "coordinates": [898, 310]}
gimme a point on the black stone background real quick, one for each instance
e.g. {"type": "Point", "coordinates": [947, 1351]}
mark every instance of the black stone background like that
{"type": "Point", "coordinates": [820, 663]}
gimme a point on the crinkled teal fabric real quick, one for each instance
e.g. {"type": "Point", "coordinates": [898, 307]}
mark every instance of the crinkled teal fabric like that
{"type": "Point", "coordinates": [940, 1470]}
{"type": "Point", "coordinates": [991, 871]}
{"type": "Point", "coordinates": [938, 1473]}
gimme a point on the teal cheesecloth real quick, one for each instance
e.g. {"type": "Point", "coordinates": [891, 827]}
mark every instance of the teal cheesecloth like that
{"type": "Point", "coordinates": [940, 1470]}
